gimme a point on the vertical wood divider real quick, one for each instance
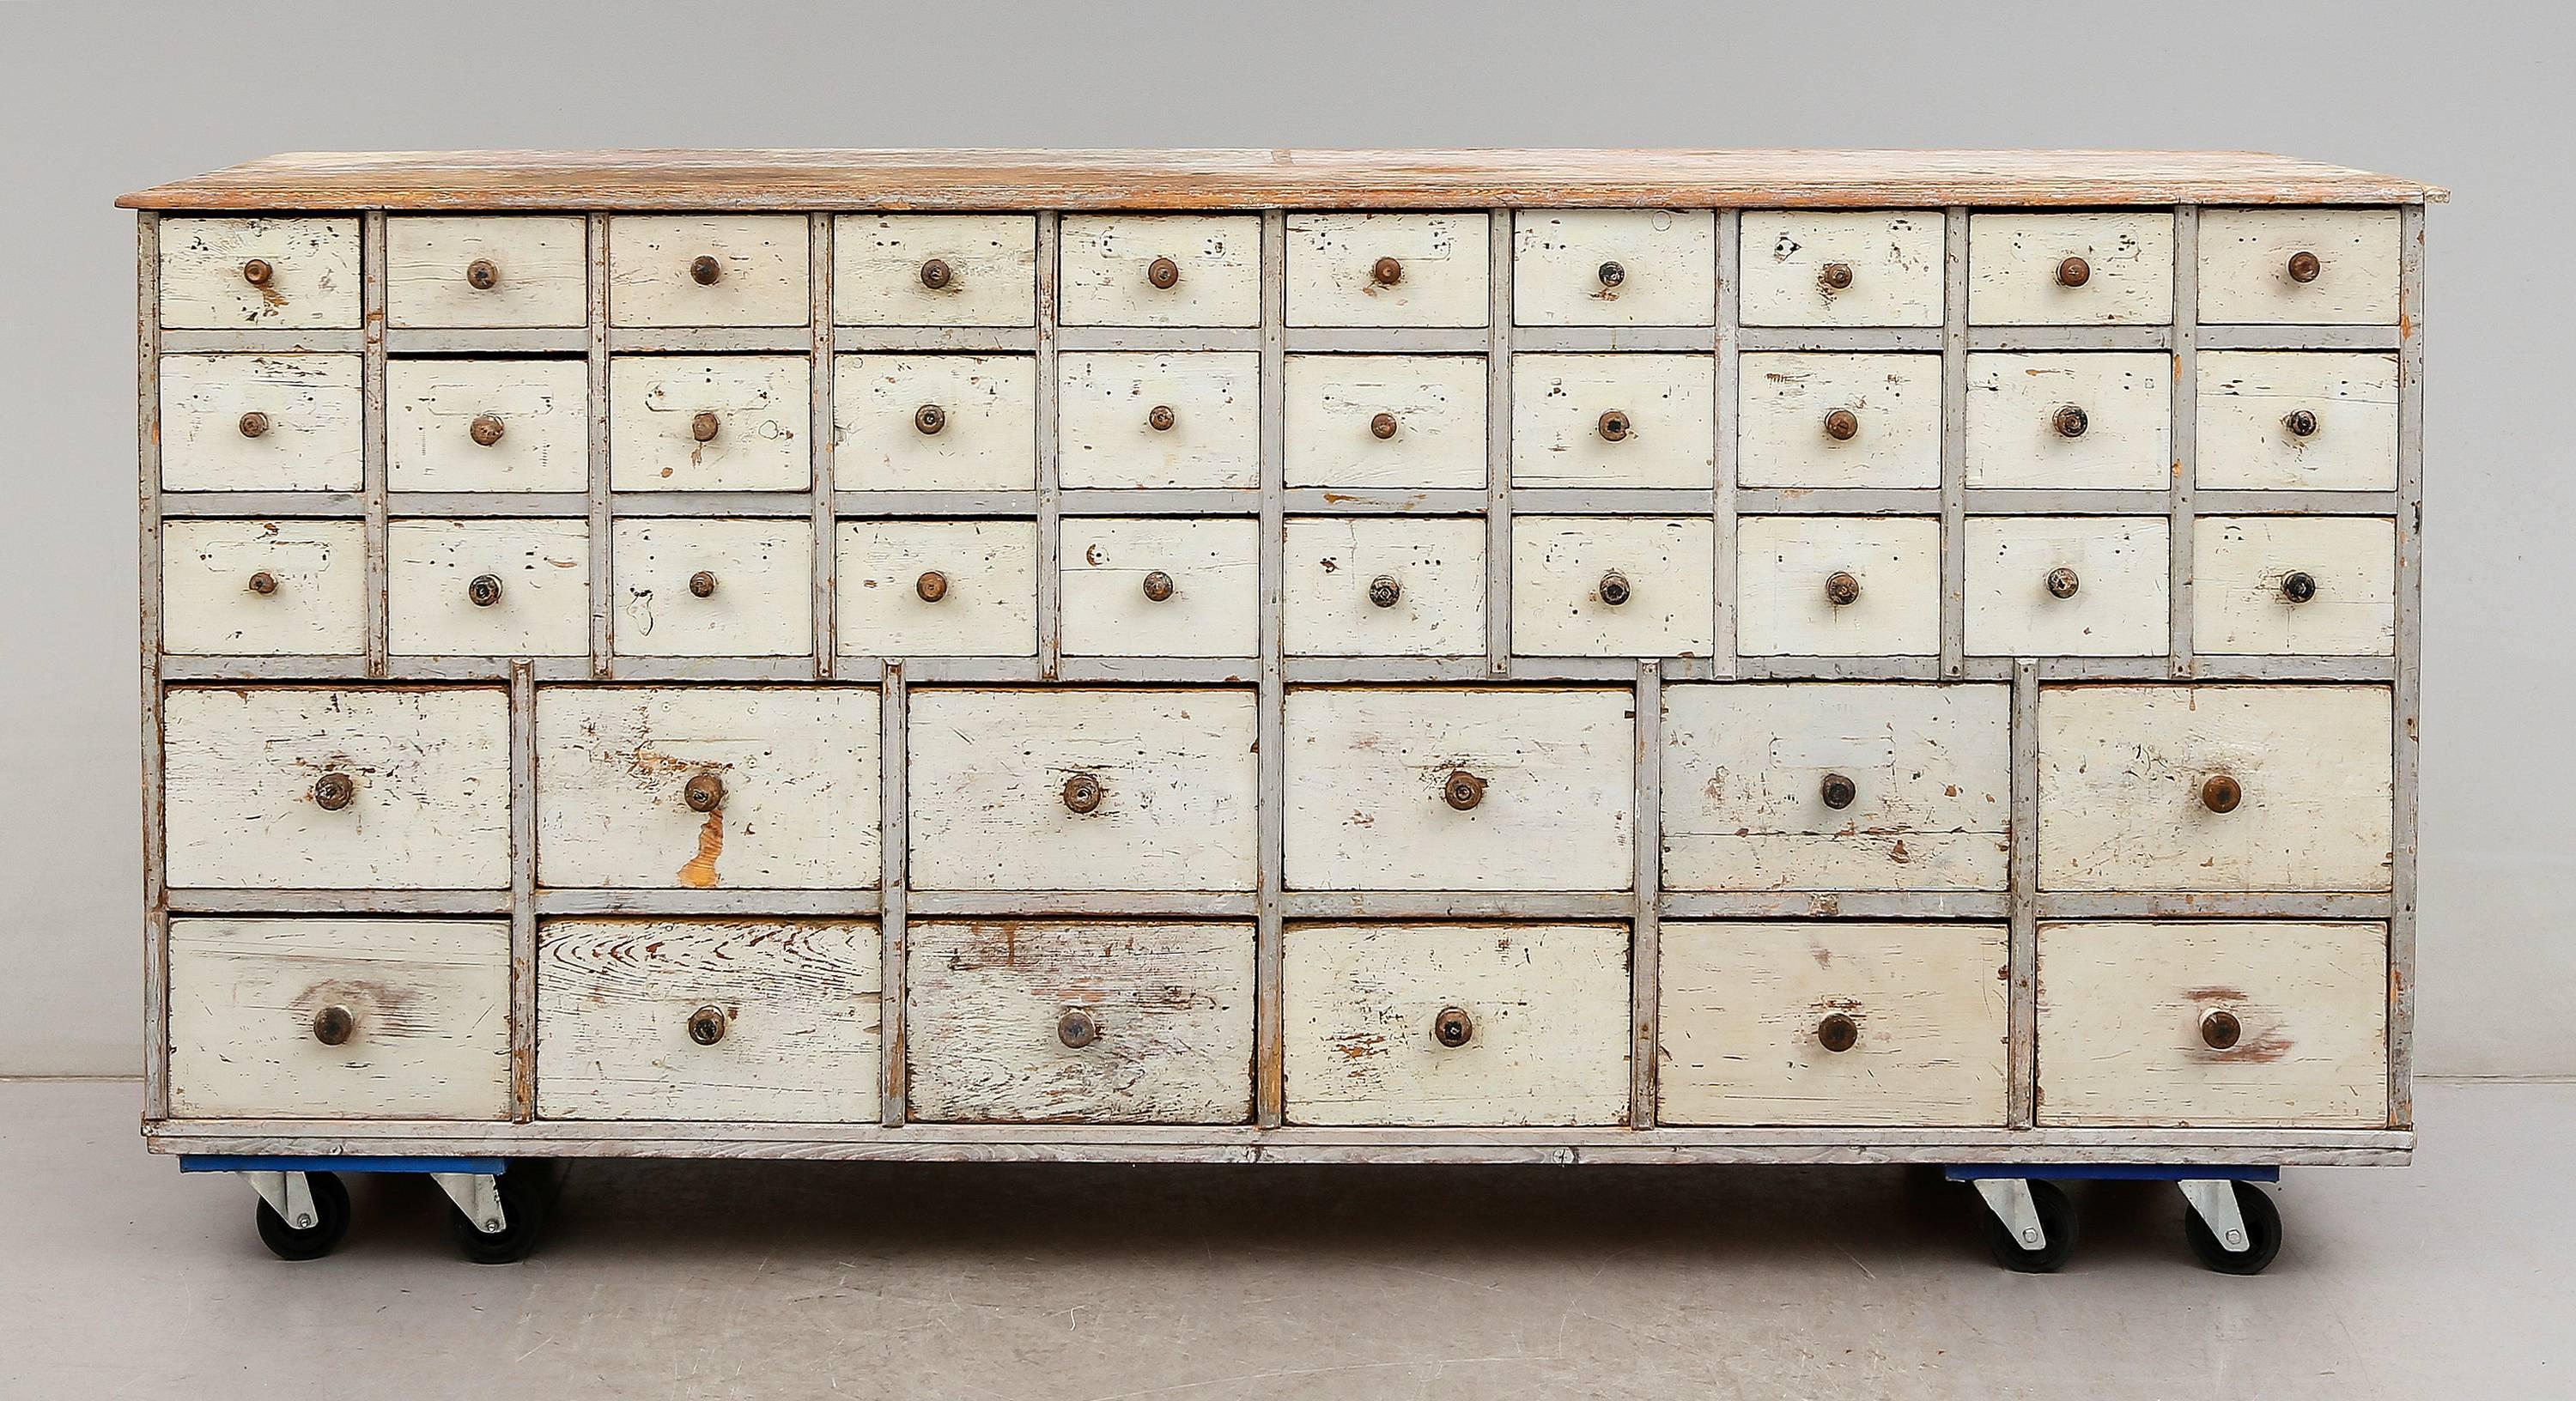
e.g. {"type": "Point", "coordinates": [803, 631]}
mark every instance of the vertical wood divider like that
{"type": "Point", "coordinates": [824, 441]}
{"type": "Point", "coordinates": [523, 891]}
{"type": "Point", "coordinates": [371, 317]}
{"type": "Point", "coordinates": [894, 762]}
{"type": "Point", "coordinates": [1270, 944]}
{"type": "Point", "coordinates": [2409, 698]}
{"type": "Point", "coordinates": [1954, 444]}
{"type": "Point", "coordinates": [147, 470]}
{"type": "Point", "coordinates": [1498, 443]}
{"type": "Point", "coordinates": [2021, 1088]}
{"type": "Point", "coordinates": [2184, 374]}
{"type": "Point", "coordinates": [1730, 377]}
{"type": "Point", "coordinates": [1645, 936]}
{"type": "Point", "coordinates": [1050, 455]}
{"type": "Point", "coordinates": [602, 638]}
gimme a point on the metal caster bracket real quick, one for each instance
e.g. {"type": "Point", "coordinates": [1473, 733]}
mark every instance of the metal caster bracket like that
{"type": "Point", "coordinates": [289, 1194]}
{"type": "Point", "coordinates": [2009, 1199]}
{"type": "Point", "coordinates": [2213, 1199]}
{"type": "Point", "coordinates": [478, 1195]}
{"type": "Point", "coordinates": [2210, 1190]}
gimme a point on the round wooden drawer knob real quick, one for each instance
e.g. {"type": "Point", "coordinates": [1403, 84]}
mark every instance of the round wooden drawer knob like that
{"type": "Point", "coordinates": [702, 584]}
{"type": "Point", "coordinates": [1842, 425]}
{"type": "Point", "coordinates": [705, 270]}
{"type": "Point", "coordinates": [2298, 586]}
{"type": "Point", "coordinates": [1462, 790]}
{"type": "Point", "coordinates": [930, 418]}
{"type": "Point", "coordinates": [257, 272]}
{"type": "Point", "coordinates": [2220, 1030]}
{"type": "Point", "coordinates": [703, 793]}
{"type": "Point", "coordinates": [1382, 426]}
{"type": "Point", "coordinates": [2300, 423]}
{"type": "Point", "coordinates": [485, 430]}
{"type": "Point", "coordinates": [1385, 590]}
{"type": "Point", "coordinates": [937, 275]}
{"type": "Point", "coordinates": [2304, 266]}
{"type": "Point", "coordinates": [1453, 1027]}
{"type": "Point", "coordinates": [1614, 426]}
{"type": "Point", "coordinates": [703, 426]}
{"type": "Point", "coordinates": [1614, 589]}
{"type": "Point", "coordinates": [482, 275]}
{"type": "Point", "coordinates": [1386, 272]}
{"type": "Point", "coordinates": [2221, 793]}
{"type": "Point", "coordinates": [932, 586]}
{"type": "Point", "coordinates": [2062, 582]}
{"type": "Point", "coordinates": [483, 590]}
{"type": "Point", "coordinates": [2074, 272]}
{"type": "Point", "coordinates": [707, 1025]}
{"type": "Point", "coordinates": [263, 583]}
{"type": "Point", "coordinates": [1163, 273]}
{"type": "Point", "coordinates": [1838, 791]}
{"type": "Point", "coordinates": [334, 1025]}
{"type": "Point", "coordinates": [334, 791]}
{"type": "Point", "coordinates": [253, 424]}
{"type": "Point", "coordinates": [1077, 1028]}
{"type": "Point", "coordinates": [1158, 587]}
{"type": "Point", "coordinates": [1841, 588]}
{"type": "Point", "coordinates": [1837, 1033]}
{"type": "Point", "coordinates": [1611, 274]}
{"type": "Point", "coordinates": [1082, 793]}
{"type": "Point", "coordinates": [1160, 418]}
{"type": "Point", "coordinates": [2070, 422]}
{"type": "Point", "coordinates": [1835, 277]}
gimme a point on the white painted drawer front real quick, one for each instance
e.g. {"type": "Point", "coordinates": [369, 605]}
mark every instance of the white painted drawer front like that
{"type": "Point", "coordinates": [2125, 776]}
{"type": "Point", "coordinates": [1142, 420]}
{"type": "Point", "coordinates": [939, 588]}
{"type": "Point", "coordinates": [1412, 421]}
{"type": "Point", "coordinates": [2125, 1023]}
{"type": "Point", "coordinates": [1613, 420]}
{"type": "Point", "coordinates": [796, 1020]}
{"type": "Point", "coordinates": [935, 270]}
{"type": "Point", "coordinates": [426, 800]}
{"type": "Point", "coordinates": [2253, 402]}
{"type": "Point", "coordinates": [535, 575]}
{"type": "Point", "coordinates": [1363, 586]}
{"type": "Point", "coordinates": [755, 409]}
{"type": "Point", "coordinates": [935, 422]}
{"type": "Point", "coordinates": [486, 270]}
{"type": "Point", "coordinates": [1340, 273]}
{"type": "Point", "coordinates": [428, 1002]}
{"type": "Point", "coordinates": [1615, 267]}
{"type": "Point", "coordinates": [1806, 267]}
{"type": "Point", "coordinates": [261, 423]}
{"type": "Point", "coordinates": [656, 276]}
{"type": "Point", "coordinates": [1752, 1016]}
{"type": "Point", "coordinates": [1749, 786]}
{"type": "Point", "coordinates": [487, 425]}
{"type": "Point", "coordinates": [1168, 777]}
{"type": "Point", "coordinates": [794, 800]}
{"type": "Point", "coordinates": [2294, 585]}
{"type": "Point", "coordinates": [758, 578]}
{"type": "Point", "coordinates": [2246, 272]}
{"type": "Point", "coordinates": [1456, 789]}
{"type": "Point", "coordinates": [240, 588]}
{"type": "Point", "coordinates": [2110, 601]}
{"type": "Point", "coordinates": [1785, 568]}
{"type": "Point", "coordinates": [289, 274]}
{"type": "Point", "coordinates": [1023, 1021]}
{"type": "Point", "coordinates": [2113, 269]}
{"type": "Point", "coordinates": [2090, 421]}
{"type": "Point", "coordinates": [1887, 408]}
{"type": "Point", "coordinates": [1609, 586]}
{"type": "Point", "coordinates": [1546, 1023]}
{"type": "Point", "coordinates": [1113, 268]}
{"type": "Point", "coordinates": [1162, 586]}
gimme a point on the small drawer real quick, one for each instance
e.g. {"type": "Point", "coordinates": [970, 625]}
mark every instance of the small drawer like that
{"type": "Point", "coordinates": [2110, 269]}
{"type": "Point", "coordinates": [262, 423]}
{"type": "Point", "coordinates": [1809, 267]}
{"type": "Point", "coordinates": [1456, 789]}
{"type": "Point", "coordinates": [1838, 586]}
{"type": "Point", "coordinates": [707, 270]}
{"type": "Point", "coordinates": [935, 270]}
{"type": "Point", "coordinates": [2090, 421]}
{"type": "Point", "coordinates": [1161, 586]}
{"type": "Point", "coordinates": [2068, 586]}
{"type": "Point", "coordinates": [1466, 1024]}
{"type": "Point", "coordinates": [1610, 586]}
{"type": "Point", "coordinates": [2235, 1024]}
{"type": "Point", "coordinates": [1143, 420]}
{"type": "Point", "coordinates": [1066, 789]}
{"type": "Point", "coordinates": [488, 425]}
{"type": "Point", "coordinates": [767, 1021]}
{"type": "Point", "coordinates": [1824, 1023]}
{"type": "Point", "coordinates": [1401, 421]}
{"type": "Point", "coordinates": [1836, 786]}
{"type": "Point", "coordinates": [509, 270]}
{"type": "Point", "coordinates": [487, 588]}
{"type": "Point", "coordinates": [1615, 267]}
{"type": "Point", "coordinates": [243, 588]}
{"type": "Point", "coordinates": [2297, 420]}
{"type": "Point", "coordinates": [1839, 420]}
{"type": "Point", "coordinates": [667, 787]}
{"type": "Point", "coordinates": [285, 274]}
{"type": "Point", "coordinates": [935, 422]}
{"type": "Point", "coordinates": [339, 1019]}
{"type": "Point", "coordinates": [279, 788]}
{"type": "Point", "coordinates": [713, 588]}
{"type": "Point", "coordinates": [1613, 420]}
{"type": "Point", "coordinates": [939, 588]}
{"type": "Point", "coordinates": [1160, 269]}
{"type": "Point", "coordinates": [1387, 269]}
{"type": "Point", "coordinates": [1025, 1021]}
{"type": "Point", "coordinates": [2299, 267]}
{"type": "Point", "coordinates": [1370, 586]}
{"type": "Point", "coordinates": [2214, 788]}
{"type": "Point", "coordinates": [709, 423]}
{"type": "Point", "coordinates": [2294, 585]}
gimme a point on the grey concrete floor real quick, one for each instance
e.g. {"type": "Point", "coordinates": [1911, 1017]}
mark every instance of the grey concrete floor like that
{"type": "Point", "coordinates": [118, 1277]}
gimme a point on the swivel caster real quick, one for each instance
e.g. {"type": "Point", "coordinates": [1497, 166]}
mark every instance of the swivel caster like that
{"type": "Point", "coordinates": [301, 1215]}
{"type": "Point", "coordinates": [495, 1220]}
{"type": "Point", "coordinates": [2232, 1227]}
{"type": "Point", "coordinates": [2030, 1225]}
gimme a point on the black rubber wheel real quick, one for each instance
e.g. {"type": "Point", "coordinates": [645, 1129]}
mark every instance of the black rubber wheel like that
{"type": "Point", "coordinates": [2262, 1231]}
{"type": "Point", "coordinates": [330, 1222]}
{"type": "Point", "coordinates": [2056, 1222]}
{"type": "Point", "coordinates": [523, 1208]}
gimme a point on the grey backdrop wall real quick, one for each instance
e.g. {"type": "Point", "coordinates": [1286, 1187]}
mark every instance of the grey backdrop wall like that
{"type": "Point", "coordinates": [102, 98]}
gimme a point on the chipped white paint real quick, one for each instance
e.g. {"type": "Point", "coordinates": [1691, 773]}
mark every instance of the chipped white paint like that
{"type": "Point", "coordinates": [2245, 266]}
{"type": "Point", "coordinates": [2248, 396]}
{"type": "Point", "coordinates": [1894, 401]}
{"type": "Point", "coordinates": [1667, 267]}
{"type": "Point", "coordinates": [760, 279]}
{"type": "Point", "coordinates": [1213, 567]}
{"type": "Point", "coordinates": [2015, 440]}
{"type": "Point", "coordinates": [1105, 416]}
{"type": "Point", "coordinates": [2118, 608]}
{"type": "Point", "coordinates": [1567, 572]}
{"type": "Point", "coordinates": [310, 436]}
{"type": "Point", "coordinates": [544, 569]}
{"type": "Point", "coordinates": [312, 278]}
{"type": "Point", "coordinates": [316, 607]}
{"type": "Point", "coordinates": [2240, 565]}
{"type": "Point", "coordinates": [538, 262]}
{"type": "Point", "coordinates": [1440, 278]}
{"type": "Point", "coordinates": [991, 262]}
{"type": "Point", "coordinates": [986, 438]}
{"type": "Point", "coordinates": [760, 603]}
{"type": "Point", "coordinates": [762, 411]}
{"type": "Point", "coordinates": [1894, 258]}
{"type": "Point", "coordinates": [987, 587]}
{"type": "Point", "coordinates": [2014, 262]}
{"type": "Point", "coordinates": [433, 405]}
{"type": "Point", "coordinates": [1106, 260]}
{"type": "Point", "coordinates": [1783, 562]}
{"type": "Point", "coordinates": [1437, 402]}
{"type": "Point", "coordinates": [1438, 569]}
{"type": "Point", "coordinates": [1613, 420]}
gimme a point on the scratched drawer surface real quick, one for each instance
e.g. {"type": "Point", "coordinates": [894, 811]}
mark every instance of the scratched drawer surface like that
{"type": "Point", "coordinates": [240, 588]}
{"type": "Point", "coordinates": [1402, 421]}
{"type": "Point", "coordinates": [2297, 420]}
{"type": "Point", "coordinates": [1365, 587]}
{"type": "Point", "coordinates": [1613, 586]}
{"type": "Point", "coordinates": [935, 270]}
{"type": "Point", "coordinates": [1161, 586]}
{"type": "Point", "coordinates": [712, 588]}
{"type": "Point", "coordinates": [1614, 267]}
{"type": "Point", "coordinates": [709, 423]}
{"type": "Point", "coordinates": [1387, 269]}
{"type": "Point", "coordinates": [486, 271]}
{"type": "Point", "coordinates": [1613, 420]}
{"type": "Point", "coordinates": [1838, 586]}
{"type": "Point", "coordinates": [248, 422]}
{"type": "Point", "coordinates": [2105, 269]}
{"type": "Point", "coordinates": [1839, 420]}
{"type": "Point", "coordinates": [935, 422]}
{"type": "Point", "coordinates": [707, 270]}
{"type": "Point", "coordinates": [1160, 269]}
{"type": "Point", "coordinates": [2294, 585]}
{"type": "Point", "coordinates": [487, 588]}
{"type": "Point", "coordinates": [286, 273]}
{"type": "Point", "coordinates": [487, 425]}
{"type": "Point", "coordinates": [1815, 267]}
{"type": "Point", "coordinates": [2068, 586]}
{"type": "Point", "coordinates": [2318, 267]}
{"type": "Point", "coordinates": [1160, 420]}
{"type": "Point", "coordinates": [949, 588]}
{"type": "Point", "coordinates": [2093, 421]}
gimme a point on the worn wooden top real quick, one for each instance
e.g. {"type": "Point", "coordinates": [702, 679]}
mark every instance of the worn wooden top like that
{"type": "Point", "coordinates": [993, 179]}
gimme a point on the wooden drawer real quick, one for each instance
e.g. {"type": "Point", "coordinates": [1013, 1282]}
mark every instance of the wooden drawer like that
{"type": "Point", "coordinates": [2213, 1024]}
{"type": "Point", "coordinates": [1786, 589]}
{"type": "Point", "coordinates": [488, 425]}
{"type": "Point", "coordinates": [707, 270]}
{"type": "Point", "coordinates": [1543, 1038]}
{"type": "Point", "coordinates": [1836, 786]}
{"type": "Point", "coordinates": [1161, 586]}
{"type": "Point", "coordinates": [939, 588]}
{"type": "Point", "coordinates": [663, 787]}
{"type": "Point", "coordinates": [2108, 269]}
{"type": "Point", "coordinates": [426, 1004]}
{"type": "Point", "coordinates": [1387, 269]}
{"type": "Point", "coordinates": [1614, 267]}
{"type": "Point", "coordinates": [1609, 586]}
{"type": "Point", "coordinates": [713, 588]}
{"type": "Point", "coordinates": [417, 782]}
{"type": "Point", "coordinates": [762, 1020]}
{"type": "Point", "coordinates": [1363, 586]}
{"type": "Point", "coordinates": [1160, 269]}
{"type": "Point", "coordinates": [1142, 420]}
{"type": "Point", "coordinates": [487, 588]}
{"type": "Point", "coordinates": [2131, 779]}
{"type": "Point", "coordinates": [2088, 421]}
{"type": "Point", "coordinates": [935, 422]}
{"type": "Point", "coordinates": [261, 423]}
{"type": "Point", "coordinates": [2297, 420]}
{"type": "Point", "coordinates": [1613, 420]}
{"type": "Point", "coordinates": [935, 270]}
{"type": "Point", "coordinates": [1833, 1023]}
{"type": "Point", "coordinates": [1404, 421]}
{"type": "Point", "coordinates": [2250, 266]}
{"type": "Point", "coordinates": [483, 270]}
{"type": "Point", "coordinates": [286, 274]}
{"type": "Point", "coordinates": [2068, 586]}
{"type": "Point", "coordinates": [1810, 267]}
{"type": "Point", "coordinates": [2294, 585]}
{"type": "Point", "coordinates": [1067, 789]}
{"type": "Point", "coordinates": [1023, 1021]}
{"type": "Point", "coordinates": [1457, 789]}
{"type": "Point", "coordinates": [1839, 420]}
{"type": "Point", "coordinates": [754, 411]}
{"type": "Point", "coordinates": [240, 588]}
